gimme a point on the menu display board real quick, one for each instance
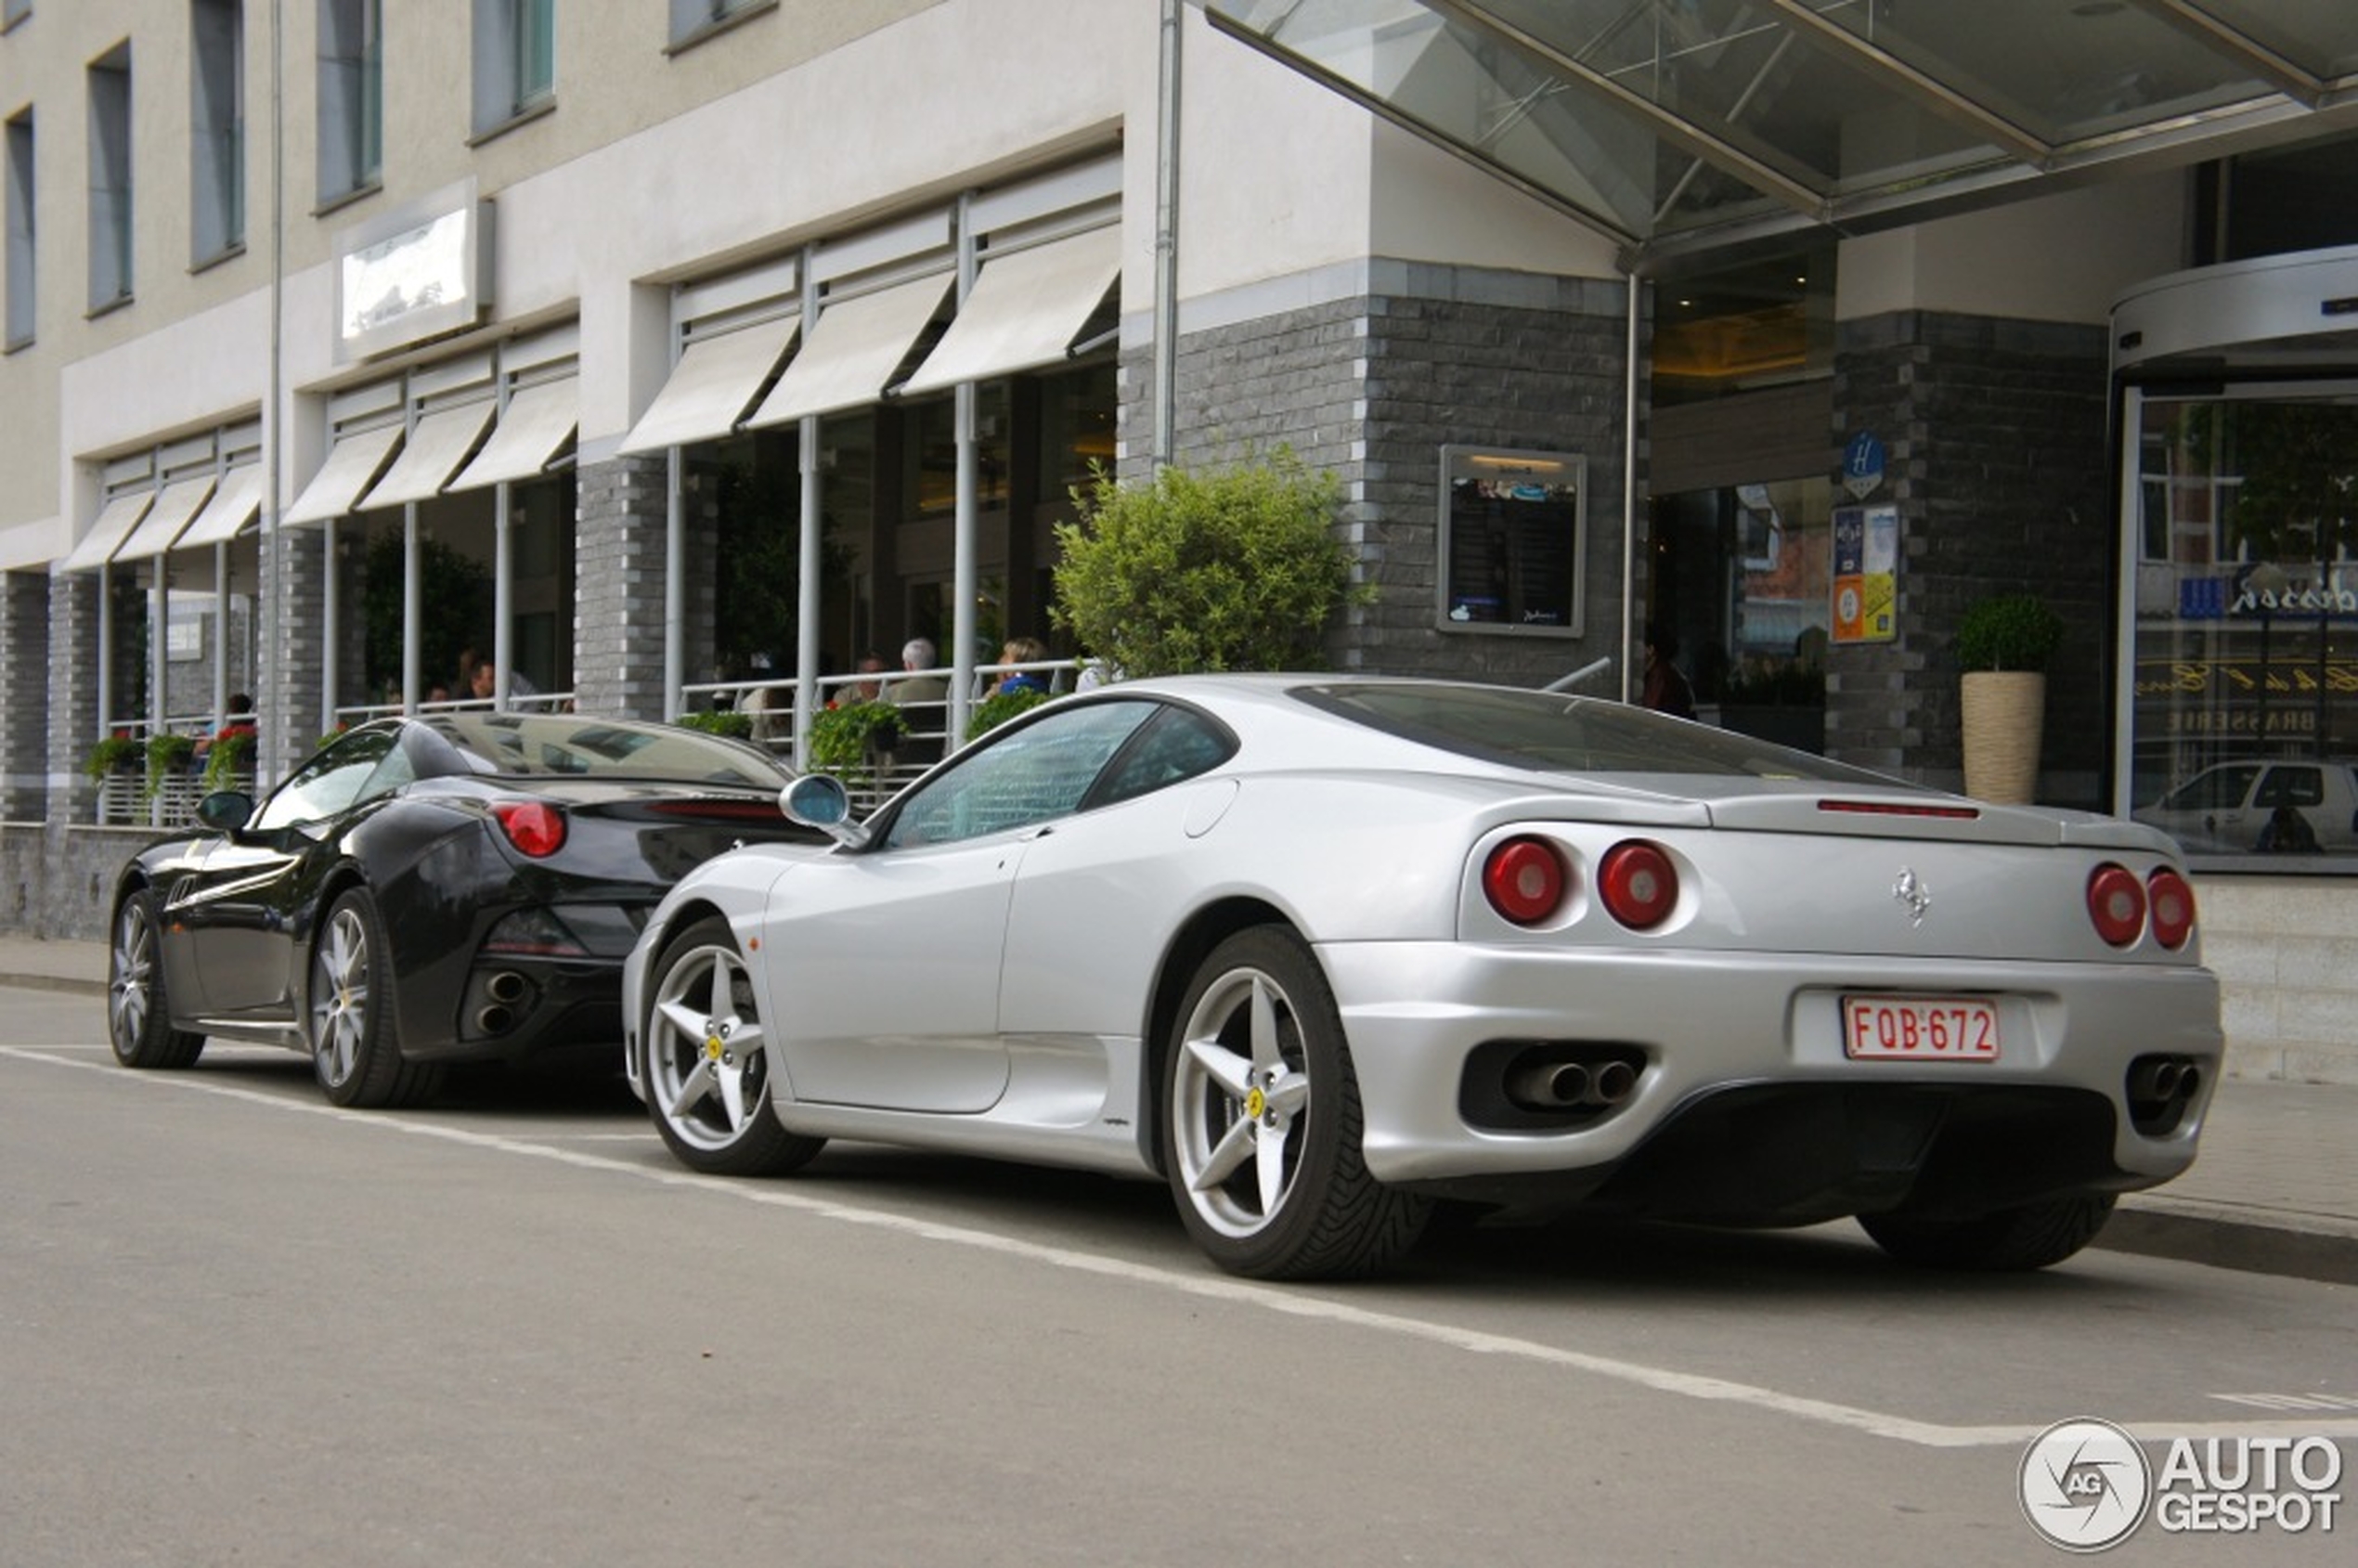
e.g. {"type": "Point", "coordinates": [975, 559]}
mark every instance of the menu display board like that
{"type": "Point", "coordinates": [1512, 556]}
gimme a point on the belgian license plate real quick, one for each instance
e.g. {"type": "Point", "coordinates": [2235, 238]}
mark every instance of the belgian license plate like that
{"type": "Point", "coordinates": [1919, 1028]}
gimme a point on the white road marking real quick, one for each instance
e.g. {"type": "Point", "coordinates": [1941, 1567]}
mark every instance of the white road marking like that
{"type": "Point", "coordinates": [1293, 1302]}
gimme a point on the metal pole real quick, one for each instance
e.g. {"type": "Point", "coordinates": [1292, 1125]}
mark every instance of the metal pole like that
{"type": "Point", "coordinates": [1166, 349]}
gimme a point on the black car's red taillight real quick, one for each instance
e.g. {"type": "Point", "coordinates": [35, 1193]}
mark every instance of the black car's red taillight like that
{"type": "Point", "coordinates": [535, 827]}
{"type": "Point", "coordinates": [2117, 904]}
{"type": "Point", "coordinates": [1638, 884]}
{"type": "Point", "coordinates": [1525, 880]}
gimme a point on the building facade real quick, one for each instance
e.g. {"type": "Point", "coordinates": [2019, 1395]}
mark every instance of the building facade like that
{"type": "Point", "coordinates": [651, 352]}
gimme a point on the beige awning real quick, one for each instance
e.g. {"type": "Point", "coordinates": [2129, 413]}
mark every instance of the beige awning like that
{"type": "Point", "coordinates": [854, 351]}
{"type": "Point", "coordinates": [432, 454]}
{"type": "Point", "coordinates": [115, 521]}
{"type": "Point", "coordinates": [714, 382]}
{"type": "Point", "coordinates": [231, 512]}
{"type": "Point", "coordinates": [356, 459]}
{"type": "Point", "coordinates": [537, 421]}
{"type": "Point", "coordinates": [1024, 311]}
{"type": "Point", "coordinates": [175, 509]}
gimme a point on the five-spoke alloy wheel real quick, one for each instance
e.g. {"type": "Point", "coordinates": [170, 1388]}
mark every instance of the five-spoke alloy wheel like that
{"type": "Point", "coordinates": [1262, 1126]}
{"type": "Point", "coordinates": [706, 1066]}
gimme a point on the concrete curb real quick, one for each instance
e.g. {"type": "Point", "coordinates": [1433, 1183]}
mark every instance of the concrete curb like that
{"type": "Point", "coordinates": [2298, 1246]}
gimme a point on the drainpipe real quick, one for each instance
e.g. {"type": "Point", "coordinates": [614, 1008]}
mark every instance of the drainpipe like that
{"type": "Point", "coordinates": [1629, 658]}
{"type": "Point", "coordinates": [675, 564]}
{"type": "Point", "coordinates": [808, 608]}
{"type": "Point", "coordinates": [965, 573]}
{"type": "Point", "coordinates": [1166, 362]}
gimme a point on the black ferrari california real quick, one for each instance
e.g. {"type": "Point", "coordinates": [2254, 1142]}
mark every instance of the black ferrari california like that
{"type": "Point", "coordinates": [457, 886]}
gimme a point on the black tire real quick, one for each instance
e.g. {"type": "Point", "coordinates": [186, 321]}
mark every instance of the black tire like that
{"type": "Point", "coordinates": [1262, 1122]}
{"type": "Point", "coordinates": [2033, 1235]}
{"type": "Point", "coordinates": [138, 1010]}
{"type": "Point", "coordinates": [706, 1065]}
{"type": "Point", "coordinates": [349, 1020]}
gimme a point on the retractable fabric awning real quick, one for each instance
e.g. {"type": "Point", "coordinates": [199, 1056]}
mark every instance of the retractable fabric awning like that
{"type": "Point", "coordinates": [115, 521]}
{"type": "Point", "coordinates": [714, 382]}
{"type": "Point", "coordinates": [1024, 311]}
{"type": "Point", "coordinates": [854, 351]}
{"type": "Point", "coordinates": [175, 509]}
{"type": "Point", "coordinates": [537, 421]}
{"type": "Point", "coordinates": [231, 512]}
{"type": "Point", "coordinates": [356, 459]}
{"type": "Point", "coordinates": [432, 454]}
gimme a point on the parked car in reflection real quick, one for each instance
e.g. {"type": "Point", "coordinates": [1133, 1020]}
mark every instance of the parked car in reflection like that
{"type": "Point", "coordinates": [451, 887]}
{"type": "Point", "coordinates": [2262, 806]}
{"type": "Point", "coordinates": [1320, 952]}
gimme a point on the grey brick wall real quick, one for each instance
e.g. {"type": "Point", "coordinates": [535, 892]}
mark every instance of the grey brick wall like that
{"type": "Point", "coordinates": [1371, 388]}
{"type": "Point", "coordinates": [618, 574]}
{"type": "Point", "coordinates": [1995, 436]}
{"type": "Point", "coordinates": [74, 692]}
{"type": "Point", "coordinates": [24, 695]}
{"type": "Point", "coordinates": [294, 597]}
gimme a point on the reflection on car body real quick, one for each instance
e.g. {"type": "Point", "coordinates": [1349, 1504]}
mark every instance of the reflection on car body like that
{"type": "Point", "coordinates": [1322, 951]}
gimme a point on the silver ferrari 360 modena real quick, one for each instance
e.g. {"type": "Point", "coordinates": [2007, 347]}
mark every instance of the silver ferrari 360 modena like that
{"type": "Point", "coordinates": [1320, 952]}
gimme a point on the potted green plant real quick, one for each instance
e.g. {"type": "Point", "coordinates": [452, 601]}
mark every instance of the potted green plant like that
{"type": "Point", "coordinates": [719, 721]}
{"type": "Point", "coordinates": [1000, 706]}
{"type": "Point", "coordinates": [167, 755]}
{"type": "Point", "coordinates": [854, 741]}
{"type": "Point", "coordinates": [2004, 646]}
{"type": "Point", "coordinates": [115, 754]}
{"type": "Point", "coordinates": [230, 756]}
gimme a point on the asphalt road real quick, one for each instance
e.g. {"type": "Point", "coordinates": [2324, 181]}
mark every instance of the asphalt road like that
{"type": "Point", "coordinates": [238, 1326]}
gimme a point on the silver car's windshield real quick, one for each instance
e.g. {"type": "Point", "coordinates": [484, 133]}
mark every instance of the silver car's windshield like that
{"type": "Point", "coordinates": [1557, 733]}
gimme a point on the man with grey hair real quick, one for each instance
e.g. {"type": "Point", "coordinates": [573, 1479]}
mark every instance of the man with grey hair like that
{"type": "Point", "coordinates": [926, 701]}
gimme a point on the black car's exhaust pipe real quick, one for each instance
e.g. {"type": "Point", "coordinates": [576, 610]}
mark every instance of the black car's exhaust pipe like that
{"type": "Point", "coordinates": [507, 986]}
{"type": "Point", "coordinates": [496, 1019]}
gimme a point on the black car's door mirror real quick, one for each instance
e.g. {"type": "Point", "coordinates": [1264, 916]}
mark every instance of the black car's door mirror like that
{"type": "Point", "coordinates": [226, 811]}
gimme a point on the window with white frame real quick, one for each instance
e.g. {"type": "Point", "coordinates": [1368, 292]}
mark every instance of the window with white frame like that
{"type": "Point", "coordinates": [23, 302]}
{"type": "Point", "coordinates": [516, 59]}
{"type": "Point", "coordinates": [110, 232]}
{"type": "Point", "coordinates": [351, 98]}
{"type": "Point", "coordinates": [217, 128]}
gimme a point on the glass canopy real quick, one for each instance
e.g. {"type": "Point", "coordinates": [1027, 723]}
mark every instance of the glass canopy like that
{"type": "Point", "coordinates": [1677, 125]}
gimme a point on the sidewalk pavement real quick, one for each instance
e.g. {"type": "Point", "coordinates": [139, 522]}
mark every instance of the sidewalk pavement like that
{"type": "Point", "coordinates": [2274, 1191]}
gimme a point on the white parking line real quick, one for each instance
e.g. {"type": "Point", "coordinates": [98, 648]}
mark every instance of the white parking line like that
{"type": "Point", "coordinates": [1293, 1302]}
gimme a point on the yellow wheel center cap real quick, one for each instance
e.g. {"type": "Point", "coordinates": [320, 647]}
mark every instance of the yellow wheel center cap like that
{"type": "Point", "coordinates": [1255, 1102]}
{"type": "Point", "coordinates": [713, 1046]}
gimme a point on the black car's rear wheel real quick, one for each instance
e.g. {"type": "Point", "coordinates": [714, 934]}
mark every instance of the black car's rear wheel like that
{"type": "Point", "coordinates": [1263, 1124]}
{"type": "Point", "coordinates": [708, 1068]}
{"type": "Point", "coordinates": [2030, 1237]}
{"type": "Point", "coordinates": [349, 1013]}
{"type": "Point", "coordinates": [138, 1011]}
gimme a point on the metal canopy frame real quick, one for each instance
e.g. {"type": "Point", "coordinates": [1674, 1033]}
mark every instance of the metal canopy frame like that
{"type": "Point", "coordinates": [2255, 97]}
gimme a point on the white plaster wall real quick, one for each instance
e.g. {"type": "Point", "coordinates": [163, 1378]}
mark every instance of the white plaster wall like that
{"type": "Point", "coordinates": [2285, 950]}
{"type": "Point", "coordinates": [2056, 258]}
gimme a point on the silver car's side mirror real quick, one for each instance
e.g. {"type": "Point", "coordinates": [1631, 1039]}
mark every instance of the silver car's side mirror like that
{"type": "Point", "coordinates": [819, 800]}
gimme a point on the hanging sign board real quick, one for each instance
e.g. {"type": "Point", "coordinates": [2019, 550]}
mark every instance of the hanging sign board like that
{"type": "Point", "coordinates": [1511, 541]}
{"type": "Point", "coordinates": [1862, 464]}
{"type": "Point", "coordinates": [1866, 575]}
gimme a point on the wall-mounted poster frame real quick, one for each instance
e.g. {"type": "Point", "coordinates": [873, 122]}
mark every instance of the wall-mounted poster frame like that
{"type": "Point", "coordinates": [1513, 551]}
{"type": "Point", "coordinates": [1866, 574]}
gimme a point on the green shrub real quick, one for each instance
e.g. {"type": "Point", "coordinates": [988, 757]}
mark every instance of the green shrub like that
{"type": "Point", "coordinates": [231, 754]}
{"type": "Point", "coordinates": [167, 754]}
{"type": "Point", "coordinates": [1235, 568]}
{"type": "Point", "coordinates": [115, 751]}
{"type": "Point", "coordinates": [2013, 631]}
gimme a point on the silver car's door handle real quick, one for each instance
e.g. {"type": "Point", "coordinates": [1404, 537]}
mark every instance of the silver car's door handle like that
{"type": "Point", "coordinates": [1039, 831]}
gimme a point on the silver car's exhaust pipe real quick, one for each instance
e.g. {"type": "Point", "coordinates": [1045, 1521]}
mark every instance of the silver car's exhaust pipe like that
{"type": "Point", "coordinates": [1611, 1084]}
{"type": "Point", "coordinates": [1548, 1085]}
{"type": "Point", "coordinates": [2157, 1077]}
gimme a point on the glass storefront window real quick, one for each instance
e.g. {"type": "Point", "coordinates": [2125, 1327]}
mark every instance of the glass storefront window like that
{"type": "Point", "coordinates": [2244, 682]}
{"type": "Point", "coordinates": [1076, 430]}
{"type": "Point", "coordinates": [930, 457]}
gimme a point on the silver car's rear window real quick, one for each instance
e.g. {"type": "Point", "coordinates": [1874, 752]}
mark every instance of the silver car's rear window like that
{"type": "Point", "coordinates": [1560, 734]}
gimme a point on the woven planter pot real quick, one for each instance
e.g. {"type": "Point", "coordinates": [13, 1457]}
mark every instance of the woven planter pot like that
{"type": "Point", "coordinates": [2004, 711]}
